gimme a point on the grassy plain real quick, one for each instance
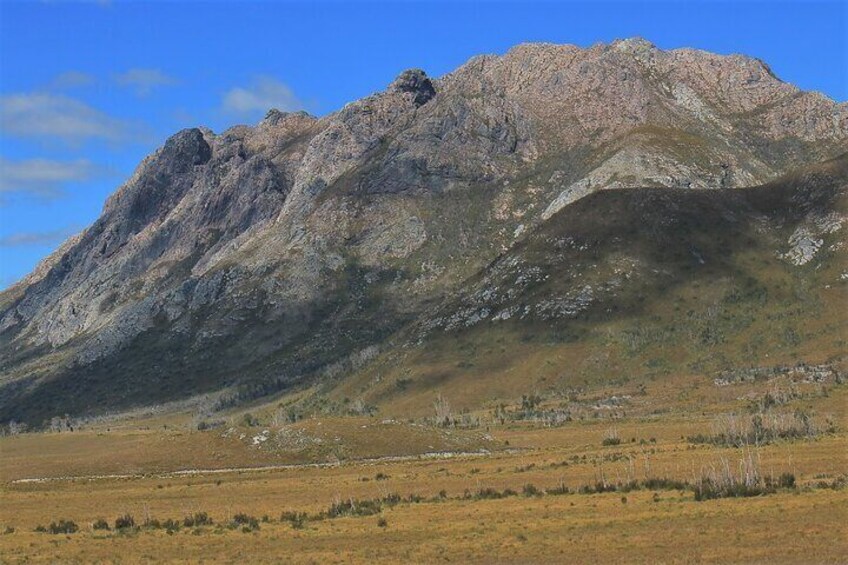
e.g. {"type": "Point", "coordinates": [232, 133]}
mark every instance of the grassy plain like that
{"type": "Point", "coordinates": [172, 473]}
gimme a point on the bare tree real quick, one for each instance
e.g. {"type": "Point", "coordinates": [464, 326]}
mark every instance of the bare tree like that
{"type": "Point", "coordinates": [16, 428]}
{"type": "Point", "coordinates": [443, 410]}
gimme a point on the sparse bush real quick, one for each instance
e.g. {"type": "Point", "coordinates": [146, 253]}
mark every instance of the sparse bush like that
{"type": "Point", "coordinates": [761, 428]}
{"type": "Point", "coordinates": [296, 519]}
{"type": "Point", "coordinates": [611, 437]}
{"type": "Point", "coordinates": [382, 522]}
{"type": "Point", "coordinates": [171, 525]}
{"type": "Point", "coordinates": [8, 530]}
{"type": "Point", "coordinates": [250, 420]}
{"type": "Point", "coordinates": [786, 480]}
{"type": "Point", "coordinates": [391, 499]}
{"type": "Point", "coordinates": [720, 481]}
{"type": "Point", "coordinates": [203, 425]}
{"type": "Point", "coordinates": [354, 507]}
{"type": "Point", "coordinates": [152, 524]}
{"type": "Point", "coordinates": [381, 477]}
{"type": "Point", "coordinates": [247, 522]}
{"type": "Point", "coordinates": [197, 519]}
{"type": "Point", "coordinates": [100, 524]}
{"type": "Point", "coordinates": [530, 490]}
{"type": "Point", "coordinates": [441, 406]}
{"type": "Point", "coordinates": [560, 489]}
{"type": "Point", "coordinates": [487, 493]}
{"type": "Point", "coordinates": [655, 483]}
{"type": "Point", "coordinates": [124, 522]}
{"type": "Point", "coordinates": [63, 527]}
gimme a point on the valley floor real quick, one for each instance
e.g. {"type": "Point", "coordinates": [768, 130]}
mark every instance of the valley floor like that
{"type": "Point", "coordinates": [505, 503]}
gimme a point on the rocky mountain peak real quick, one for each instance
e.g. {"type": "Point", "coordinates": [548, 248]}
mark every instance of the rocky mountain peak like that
{"type": "Point", "coordinates": [635, 45]}
{"type": "Point", "coordinates": [416, 83]}
{"type": "Point", "coordinates": [186, 149]}
{"type": "Point", "coordinates": [274, 117]}
{"type": "Point", "coordinates": [281, 248]}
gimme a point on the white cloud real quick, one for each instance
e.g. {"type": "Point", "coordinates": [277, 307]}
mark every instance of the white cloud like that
{"type": "Point", "coordinates": [43, 115]}
{"type": "Point", "coordinates": [72, 79]}
{"type": "Point", "coordinates": [52, 237]}
{"type": "Point", "coordinates": [143, 81]}
{"type": "Point", "coordinates": [42, 177]}
{"type": "Point", "coordinates": [263, 94]}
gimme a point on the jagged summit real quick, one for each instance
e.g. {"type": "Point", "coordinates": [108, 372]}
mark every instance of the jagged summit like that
{"type": "Point", "coordinates": [273, 252]}
{"type": "Point", "coordinates": [416, 83]}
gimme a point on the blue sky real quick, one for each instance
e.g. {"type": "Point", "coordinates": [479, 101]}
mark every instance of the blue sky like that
{"type": "Point", "coordinates": [88, 89]}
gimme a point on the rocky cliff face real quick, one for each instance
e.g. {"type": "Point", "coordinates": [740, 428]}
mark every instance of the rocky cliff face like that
{"type": "Point", "coordinates": [269, 253]}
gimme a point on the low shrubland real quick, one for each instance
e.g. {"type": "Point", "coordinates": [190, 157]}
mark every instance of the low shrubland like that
{"type": "Point", "coordinates": [733, 430]}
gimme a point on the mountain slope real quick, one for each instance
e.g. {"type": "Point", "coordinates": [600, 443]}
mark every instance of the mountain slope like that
{"type": "Point", "coordinates": [629, 286]}
{"type": "Point", "coordinates": [273, 253]}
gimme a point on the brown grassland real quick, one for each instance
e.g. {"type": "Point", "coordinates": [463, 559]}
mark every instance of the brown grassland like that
{"type": "Point", "coordinates": [446, 508]}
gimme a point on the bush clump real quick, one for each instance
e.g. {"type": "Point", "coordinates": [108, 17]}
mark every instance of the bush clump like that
{"type": "Point", "coordinates": [170, 525]}
{"type": "Point", "coordinates": [247, 522]}
{"type": "Point", "coordinates": [354, 507]}
{"type": "Point", "coordinates": [124, 522]}
{"type": "Point", "coordinates": [611, 437]}
{"type": "Point", "coordinates": [197, 519]}
{"type": "Point", "coordinates": [100, 524]}
{"type": "Point", "coordinates": [531, 490]}
{"type": "Point", "coordinates": [732, 430]}
{"type": "Point", "coordinates": [297, 520]}
{"type": "Point", "coordinates": [62, 527]}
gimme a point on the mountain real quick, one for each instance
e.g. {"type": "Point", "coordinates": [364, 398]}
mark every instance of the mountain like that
{"type": "Point", "coordinates": [561, 188]}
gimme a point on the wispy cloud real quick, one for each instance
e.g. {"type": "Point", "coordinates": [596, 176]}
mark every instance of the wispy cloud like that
{"type": "Point", "coordinates": [54, 116]}
{"type": "Point", "coordinates": [144, 81]}
{"type": "Point", "coordinates": [72, 79]}
{"type": "Point", "coordinates": [50, 237]}
{"type": "Point", "coordinates": [261, 95]}
{"type": "Point", "coordinates": [43, 178]}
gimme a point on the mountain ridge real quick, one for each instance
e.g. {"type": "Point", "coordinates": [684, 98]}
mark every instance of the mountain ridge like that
{"type": "Point", "coordinates": [287, 247]}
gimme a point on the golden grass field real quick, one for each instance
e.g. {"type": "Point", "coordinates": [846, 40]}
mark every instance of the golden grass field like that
{"type": "Point", "coordinates": [805, 524]}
